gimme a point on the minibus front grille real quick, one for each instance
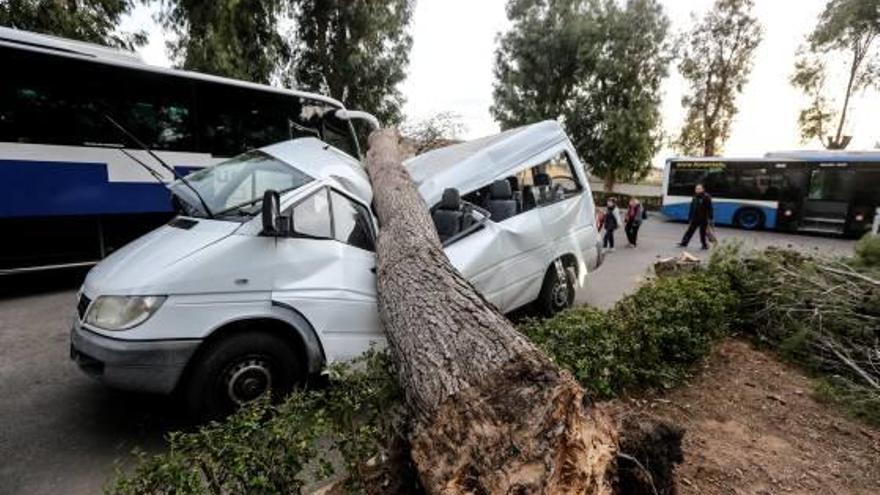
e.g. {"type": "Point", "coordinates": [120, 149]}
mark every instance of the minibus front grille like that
{"type": "Point", "coordinates": [82, 306]}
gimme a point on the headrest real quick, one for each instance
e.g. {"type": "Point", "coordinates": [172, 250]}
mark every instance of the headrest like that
{"type": "Point", "coordinates": [514, 182]}
{"type": "Point", "coordinates": [500, 189]}
{"type": "Point", "coordinates": [451, 199]}
{"type": "Point", "coordinates": [542, 180]}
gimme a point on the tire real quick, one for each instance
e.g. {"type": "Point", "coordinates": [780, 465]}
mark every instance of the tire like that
{"type": "Point", "coordinates": [238, 369]}
{"type": "Point", "coordinates": [557, 294]}
{"type": "Point", "coordinates": [749, 219]}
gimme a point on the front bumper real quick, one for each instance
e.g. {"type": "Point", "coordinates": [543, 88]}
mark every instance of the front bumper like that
{"type": "Point", "coordinates": [145, 366]}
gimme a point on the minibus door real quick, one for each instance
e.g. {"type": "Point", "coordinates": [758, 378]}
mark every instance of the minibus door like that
{"type": "Point", "coordinates": [326, 272]}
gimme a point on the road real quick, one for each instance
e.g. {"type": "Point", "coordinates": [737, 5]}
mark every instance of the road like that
{"type": "Point", "coordinates": [61, 432]}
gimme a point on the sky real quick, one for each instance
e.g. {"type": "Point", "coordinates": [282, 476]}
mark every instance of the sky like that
{"type": "Point", "coordinates": [453, 50]}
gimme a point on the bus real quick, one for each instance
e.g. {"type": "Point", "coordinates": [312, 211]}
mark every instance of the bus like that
{"type": "Point", "coordinates": [817, 192]}
{"type": "Point", "coordinates": [71, 190]}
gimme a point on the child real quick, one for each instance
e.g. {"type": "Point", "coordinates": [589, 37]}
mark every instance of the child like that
{"type": "Point", "coordinates": [610, 224]}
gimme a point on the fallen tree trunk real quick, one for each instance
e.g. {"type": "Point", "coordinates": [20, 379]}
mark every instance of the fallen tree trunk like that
{"type": "Point", "coordinates": [492, 414]}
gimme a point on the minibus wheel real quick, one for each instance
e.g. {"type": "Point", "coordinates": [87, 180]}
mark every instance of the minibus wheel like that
{"type": "Point", "coordinates": [558, 290]}
{"type": "Point", "coordinates": [238, 369]}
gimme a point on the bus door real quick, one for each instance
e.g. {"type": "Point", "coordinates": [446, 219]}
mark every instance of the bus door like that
{"type": "Point", "coordinates": [826, 206]}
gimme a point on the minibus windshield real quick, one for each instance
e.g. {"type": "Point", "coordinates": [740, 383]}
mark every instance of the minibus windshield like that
{"type": "Point", "coordinates": [234, 188]}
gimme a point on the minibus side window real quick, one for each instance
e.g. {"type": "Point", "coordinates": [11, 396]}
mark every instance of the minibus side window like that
{"type": "Point", "coordinates": [311, 216]}
{"type": "Point", "coordinates": [351, 222]}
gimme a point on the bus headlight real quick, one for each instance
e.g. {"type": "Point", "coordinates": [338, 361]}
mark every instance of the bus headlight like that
{"type": "Point", "coordinates": [122, 312]}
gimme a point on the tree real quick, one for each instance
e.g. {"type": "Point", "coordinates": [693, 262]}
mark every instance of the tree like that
{"type": "Point", "coordinates": [594, 65]}
{"type": "Point", "coordinates": [95, 21]}
{"type": "Point", "coordinates": [716, 60]}
{"type": "Point", "coordinates": [436, 131]}
{"type": "Point", "coordinates": [491, 412]}
{"type": "Point", "coordinates": [615, 121]}
{"type": "Point", "coordinates": [847, 30]}
{"type": "Point", "coordinates": [354, 50]}
{"type": "Point", "coordinates": [230, 38]}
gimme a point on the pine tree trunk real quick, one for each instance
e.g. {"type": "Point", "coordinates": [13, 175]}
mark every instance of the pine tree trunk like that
{"type": "Point", "coordinates": [492, 413]}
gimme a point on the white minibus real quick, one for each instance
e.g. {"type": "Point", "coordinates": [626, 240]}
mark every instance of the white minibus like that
{"type": "Point", "coordinates": [269, 273]}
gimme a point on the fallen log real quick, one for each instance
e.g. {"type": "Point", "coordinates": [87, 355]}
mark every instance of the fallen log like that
{"type": "Point", "coordinates": [491, 413]}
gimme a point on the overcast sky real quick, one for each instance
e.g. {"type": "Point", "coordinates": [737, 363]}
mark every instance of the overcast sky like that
{"type": "Point", "coordinates": [453, 53]}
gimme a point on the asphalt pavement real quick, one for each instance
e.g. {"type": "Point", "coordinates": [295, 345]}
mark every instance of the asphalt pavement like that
{"type": "Point", "coordinates": [61, 432]}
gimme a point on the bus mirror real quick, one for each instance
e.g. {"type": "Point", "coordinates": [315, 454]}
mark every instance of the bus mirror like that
{"type": "Point", "coordinates": [273, 223]}
{"type": "Point", "coordinates": [369, 118]}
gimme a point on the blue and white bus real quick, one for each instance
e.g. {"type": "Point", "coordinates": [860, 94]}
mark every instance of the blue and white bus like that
{"type": "Point", "coordinates": [69, 194]}
{"type": "Point", "coordinates": [821, 192]}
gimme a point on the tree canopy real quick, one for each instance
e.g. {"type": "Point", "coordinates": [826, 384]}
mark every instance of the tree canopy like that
{"type": "Point", "coordinates": [846, 33]}
{"type": "Point", "coordinates": [230, 38]}
{"type": "Point", "coordinates": [716, 60]}
{"type": "Point", "coordinates": [356, 51]}
{"type": "Point", "coordinates": [594, 65]}
{"type": "Point", "coordinates": [95, 21]}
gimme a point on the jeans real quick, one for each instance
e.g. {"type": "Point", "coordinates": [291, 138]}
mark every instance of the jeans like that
{"type": "Point", "coordinates": [608, 240]}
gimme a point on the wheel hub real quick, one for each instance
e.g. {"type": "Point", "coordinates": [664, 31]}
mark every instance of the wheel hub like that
{"type": "Point", "coordinates": [248, 380]}
{"type": "Point", "coordinates": [560, 294]}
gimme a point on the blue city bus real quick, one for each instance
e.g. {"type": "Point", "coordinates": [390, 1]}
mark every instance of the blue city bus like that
{"type": "Point", "coordinates": [818, 192]}
{"type": "Point", "coordinates": [70, 191]}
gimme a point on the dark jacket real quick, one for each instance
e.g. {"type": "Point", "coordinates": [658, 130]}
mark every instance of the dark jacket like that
{"type": "Point", "coordinates": [610, 218]}
{"type": "Point", "coordinates": [701, 209]}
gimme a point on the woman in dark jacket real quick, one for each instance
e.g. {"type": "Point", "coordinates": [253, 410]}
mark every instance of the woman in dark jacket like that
{"type": "Point", "coordinates": [634, 215]}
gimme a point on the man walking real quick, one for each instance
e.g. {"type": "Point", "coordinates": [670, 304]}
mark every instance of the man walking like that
{"type": "Point", "coordinates": [700, 216]}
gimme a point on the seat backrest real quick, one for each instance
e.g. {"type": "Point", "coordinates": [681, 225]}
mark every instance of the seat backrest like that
{"type": "Point", "coordinates": [501, 204]}
{"type": "Point", "coordinates": [448, 214]}
{"type": "Point", "coordinates": [529, 200]}
{"type": "Point", "coordinates": [542, 187]}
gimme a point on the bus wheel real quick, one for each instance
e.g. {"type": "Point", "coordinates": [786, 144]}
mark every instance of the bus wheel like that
{"type": "Point", "coordinates": [749, 219]}
{"type": "Point", "coordinates": [239, 369]}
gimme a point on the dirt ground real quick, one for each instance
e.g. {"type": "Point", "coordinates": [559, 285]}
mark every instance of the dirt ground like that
{"type": "Point", "coordinates": [753, 428]}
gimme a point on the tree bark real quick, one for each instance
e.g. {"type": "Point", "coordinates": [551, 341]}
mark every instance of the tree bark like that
{"type": "Point", "coordinates": [492, 413]}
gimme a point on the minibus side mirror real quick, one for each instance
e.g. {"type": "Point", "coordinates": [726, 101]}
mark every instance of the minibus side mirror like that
{"type": "Point", "coordinates": [274, 224]}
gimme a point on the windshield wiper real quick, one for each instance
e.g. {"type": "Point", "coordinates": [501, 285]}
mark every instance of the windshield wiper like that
{"type": "Point", "coordinates": [161, 162]}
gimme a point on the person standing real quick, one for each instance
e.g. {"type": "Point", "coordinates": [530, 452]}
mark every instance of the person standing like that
{"type": "Point", "coordinates": [699, 217]}
{"type": "Point", "coordinates": [634, 216]}
{"type": "Point", "coordinates": [610, 223]}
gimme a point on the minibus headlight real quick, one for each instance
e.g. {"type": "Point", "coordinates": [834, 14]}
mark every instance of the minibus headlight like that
{"type": "Point", "coordinates": [122, 312]}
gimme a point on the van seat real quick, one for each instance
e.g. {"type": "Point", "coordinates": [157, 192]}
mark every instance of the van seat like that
{"type": "Point", "coordinates": [448, 215]}
{"type": "Point", "coordinates": [529, 200]}
{"type": "Point", "coordinates": [542, 188]}
{"type": "Point", "coordinates": [501, 204]}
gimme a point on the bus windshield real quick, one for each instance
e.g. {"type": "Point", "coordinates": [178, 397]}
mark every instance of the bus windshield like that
{"type": "Point", "coordinates": [234, 188]}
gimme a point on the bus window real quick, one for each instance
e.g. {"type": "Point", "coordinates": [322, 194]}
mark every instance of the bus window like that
{"type": "Point", "coordinates": [867, 191]}
{"type": "Point", "coordinates": [682, 181]}
{"type": "Point", "coordinates": [157, 109]}
{"type": "Point", "coordinates": [827, 184]}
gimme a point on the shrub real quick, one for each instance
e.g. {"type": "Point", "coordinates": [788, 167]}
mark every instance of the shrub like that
{"type": "Point", "coordinates": [279, 449]}
{"type": "Point", "coordinates": [652, 338]}
{"type": "Point", "coordinates": [868, 250]}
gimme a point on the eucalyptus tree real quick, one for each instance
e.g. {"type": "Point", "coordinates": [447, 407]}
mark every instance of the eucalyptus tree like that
{"type": "Point", "coordinates": [846, 34]}
{"type": "Point", "coordinates": [716, 60]}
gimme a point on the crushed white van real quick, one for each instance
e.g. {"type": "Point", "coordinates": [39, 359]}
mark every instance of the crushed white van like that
{"type": "Point", "coordinates": [252, 289]}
